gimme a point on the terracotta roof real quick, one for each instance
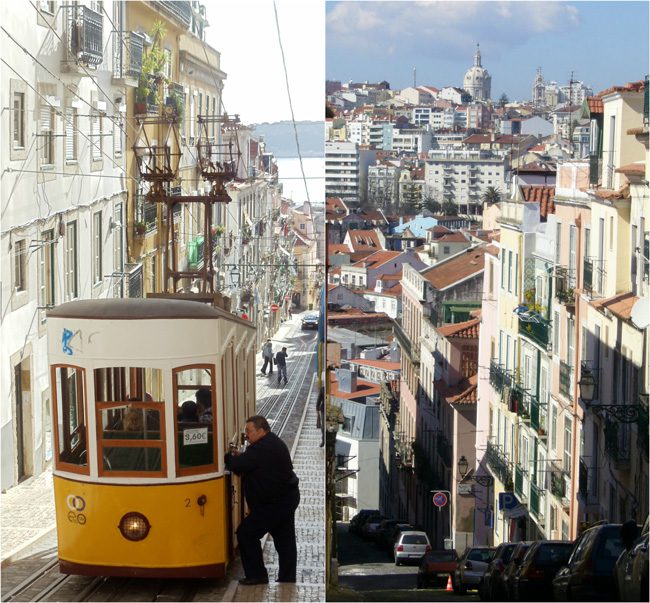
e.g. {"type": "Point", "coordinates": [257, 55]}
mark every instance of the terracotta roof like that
{"type": "Point", "coordinates": [537, 166]}
{"type": "Point", "coordinates": [337, 248]}
{"type": "Point", "coordinates": [595, 105]}
{"type": "Point", "coordinates": [464, 392]}
{"type": "Point", "coordinates": [356, 256]}
{"type": "Point", "coordinates": [364, 240]}
{"type": "Point", "coordinates": [374, 260]}
{"type": "Point", "coordinates": [459, 267]}
{"type": "Point", "coordinates": [542, 194]}
{"type": "Point", "coordinates": [438, 229]}
{"type": "Point", "coordinates": [632, 168]}
{"type": "Point", "coordinates": [452, 237]}
{"type": "Point", "coordinates": [492, 250]}
{"type": "Point", "coordinates": [373, 215]}
{"type": "Point", "coordinates": [383, 364]}
{"type": "Point", "coordinates": [607, 193]}
{"type": "Point", "coordinates": [629, 87]}
{"type": "Point", "coordinates": [463, 330]}
{"type": "Point", "coordinates": [620, 305]}
{"type": "Point", "coordinates": [364, 388]}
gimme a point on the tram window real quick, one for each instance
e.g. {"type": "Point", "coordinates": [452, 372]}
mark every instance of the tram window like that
{"type": "Point", "coordinates": [193, 395]}
{"type": "Point", "coordinates": [71, 415]}
{"type": "Point", "coordinates": [130, 412]}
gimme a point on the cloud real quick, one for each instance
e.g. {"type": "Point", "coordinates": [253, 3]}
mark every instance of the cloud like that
{"type": "Point", "coordinates": [444, 27]}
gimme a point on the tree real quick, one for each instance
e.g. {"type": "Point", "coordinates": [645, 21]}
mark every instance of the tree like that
{"type": "Point", "coordinates": [503, 100]}
{"type": "Point", "coordinates": [449, 208]}
{"type": "Point", "coordinates": [491, 195]}
{"type": "Point", "coordinates": [432, 205]}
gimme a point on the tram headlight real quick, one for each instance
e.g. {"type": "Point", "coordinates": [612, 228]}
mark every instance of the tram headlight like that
{"type": "Point", "coordinates": [134, 526]}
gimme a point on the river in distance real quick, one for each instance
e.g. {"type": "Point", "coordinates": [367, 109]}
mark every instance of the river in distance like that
{"type": "Point", "coordinates": [293, 185]}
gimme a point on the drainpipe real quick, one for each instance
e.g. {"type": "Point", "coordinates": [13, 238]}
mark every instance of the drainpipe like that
{"type": "Point", "coordinates": [575, 465]}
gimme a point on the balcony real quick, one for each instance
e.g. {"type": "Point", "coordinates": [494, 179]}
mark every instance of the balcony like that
{"type": "Point", "coordinates": [146, 215]}
{"type": "Point", "coordinates": [583, 480]}
{"type": "Point", "coordinates": [83, 39]}
{"type": "Point", "coordinates": [519, 483]}
{"type": "Point", "coordinates": [499, 463]}
{"type": "Point", "coordinates": [566, 380]}
{"type": "Point", "coordinates": [195, 252]}
{"type": "Point", "coordinates": [405, 343]}
{"type": "Point", "coordinates": [127, 57]}
{"type": "Point", "coordinates": [181, 11]}
{"type": "Point", "coordinates": [535, 327]}
{"type": "Point", "coordinates": [617, 443]}
{"type": "Point", "coordinates": [558, 483]}
{"type": "Point", "coordinates": [565, 286]}
{"type": "Point", "coordinates": [499, 377]}
{"type": "Point", "coordinates": [134, 280]}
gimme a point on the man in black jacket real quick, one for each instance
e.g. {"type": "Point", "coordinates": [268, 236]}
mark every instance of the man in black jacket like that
{"type": "Point", "coordinates": [271, 490]}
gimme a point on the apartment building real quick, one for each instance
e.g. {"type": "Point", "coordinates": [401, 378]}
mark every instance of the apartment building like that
{"type": "Point", "coordinates": [463, 176]}
{"type": "Point", "coordinates": [346, 169]}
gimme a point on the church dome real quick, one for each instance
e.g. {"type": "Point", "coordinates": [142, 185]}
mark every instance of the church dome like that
{"type": "Point", "coordinates": [477, 79]}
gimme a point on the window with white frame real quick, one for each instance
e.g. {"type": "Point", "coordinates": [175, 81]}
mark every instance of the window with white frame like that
{"type": "Point", "coordinates": [46, 269]}
{"type": "Point", "coordinates": [97, 247]}
{"type": "Point", "coordinates": [71, 261]}
{"type": "Point", "coordinates": [509, 271]}
{"type": "Point", "coordinates": [20, 265]}
{"type": "Point", "coordinates": [71, 134]}
{"type": "Point", "coordinates": [46, 135]}
{"type": "Point", "coordinates": [18, 129]}
{"type": "Point", "coordinates": [568, 432]}
{"type": "Point", "coordinates": [558, 242]}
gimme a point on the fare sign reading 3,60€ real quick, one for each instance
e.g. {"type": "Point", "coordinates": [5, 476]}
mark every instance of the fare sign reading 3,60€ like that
{"type": "Point", "coordinates": [195, 436]}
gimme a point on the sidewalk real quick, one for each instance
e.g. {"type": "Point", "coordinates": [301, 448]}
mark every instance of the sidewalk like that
{"type": "Point", "coordinates": [309, 464]}
{"type": "Point", "coordinates": [27, 516]}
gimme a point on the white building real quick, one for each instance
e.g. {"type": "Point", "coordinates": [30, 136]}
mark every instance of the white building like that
{"type": "Point", "coordinates": [464, 176]}
{"type": "Point", "coordinates": [346, 169]}
{"type": "Point", "coordinates": [64, 197]}
{"type": "Point", "coordinates": [478, 81]}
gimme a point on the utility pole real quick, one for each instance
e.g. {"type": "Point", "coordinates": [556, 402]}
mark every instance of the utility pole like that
{"type": "Point", "coordinates": [413, 77]}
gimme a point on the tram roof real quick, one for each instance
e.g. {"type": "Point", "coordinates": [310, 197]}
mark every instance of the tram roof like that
{"type": "Point", "coordinates": [141, 309]}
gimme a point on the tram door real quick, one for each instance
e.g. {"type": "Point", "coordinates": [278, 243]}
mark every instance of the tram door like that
{"type": "Point", "coordinates": [22, 384]}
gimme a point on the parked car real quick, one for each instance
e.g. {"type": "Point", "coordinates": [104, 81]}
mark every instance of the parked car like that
{"type": "Point", "coordinates": [436, 567]}
{"type": "Point", "coordinates": [471, 567]}
{"type": "Point", "coordinates": [588, 574]}
{"type": "Point", "coordinates": [410, 546]}
{"type": "Point", "coordinates": [370, 526]}
{"type": "Point", "coordinates": [491, 587]}
{"type": "Point", "coordinates": [393, 534]}
{"type": "Point", "coordinates": [507, 578]}
{"type": "Point", "coordinates": [632, 570]}
{"type": "Point", "coordinates": [310, 321]}
{"type": "Point", "coordinates": [384, 529]}
{"type": "Point", "coordinates": [355, 522]}
{"type": "Point", "coordinates": [534, 580]}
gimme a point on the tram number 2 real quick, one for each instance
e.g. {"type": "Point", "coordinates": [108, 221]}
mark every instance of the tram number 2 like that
{"type": "Point", "coordinates": [195, 436]}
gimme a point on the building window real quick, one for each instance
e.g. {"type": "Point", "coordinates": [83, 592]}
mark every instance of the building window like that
{"type": "Point", "coordinates": [556, 332]}
{"type": "Point", "coordinates": [117, 135]}
{"type": "Point", "coordinates": [46, 269]}
{"type": "Point", "coordinates": [568, 429]}
{"type": "Point", "coordinates": [47, 120]}
{"type": "Point", "coordinates": [20, 265]}
{"type": "Point", "coordinates": [553, 427]}
{"type": "Point", "coordinates": [97, 247]}
{"type": "Point", "coordinates": [509, 271]}
{"type": "Point", "coordinates": [19, 121]}
{"type": "Point", "coordinates": [71, 134]}
{"type": "Point", "coordinates": [118, 250]}
{"type": "Point", "coordinates": [95, 135]}
{"type": "Point", "coordinates": [558, 242]}
{"type": "Point", "coordinates": [71, 261]}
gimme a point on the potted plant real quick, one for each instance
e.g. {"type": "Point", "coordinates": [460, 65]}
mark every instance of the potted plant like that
{"type": "Point", "coordinates": [152, 74]}
{"type": "Point", "coordinates": [175, 101]}
{"type": "Point", "coordinates": [140, 228]}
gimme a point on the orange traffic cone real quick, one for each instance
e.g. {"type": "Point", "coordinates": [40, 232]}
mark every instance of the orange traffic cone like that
{"type": "Point", "coordinates": [449, 586]}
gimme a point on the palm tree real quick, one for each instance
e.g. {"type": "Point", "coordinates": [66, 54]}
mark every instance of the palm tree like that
{"type": "Point", "coordinates": [449, 208]}
{"type": "Point", "coordinates": [491, 195]}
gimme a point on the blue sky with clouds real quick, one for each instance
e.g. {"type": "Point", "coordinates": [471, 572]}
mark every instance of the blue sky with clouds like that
{"type": "Point", "coordinates": [603, 43]}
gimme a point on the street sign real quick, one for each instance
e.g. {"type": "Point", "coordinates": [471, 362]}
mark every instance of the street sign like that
{"type": "Point", "coordinates": [465, 489]}
{"type": "Point", "coordinates": [507, 501]}
{"type": "Point", "coordinates": [440, 499]}
{"type": "Point", "coordinates": [274, 307]}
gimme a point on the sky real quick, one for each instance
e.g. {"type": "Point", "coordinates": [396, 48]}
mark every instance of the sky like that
{"type": "Point", "coordinates": [603, 43]}
{"type": "Point", "coordinates": [245, 33]}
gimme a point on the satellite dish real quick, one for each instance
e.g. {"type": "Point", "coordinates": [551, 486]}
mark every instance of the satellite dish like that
{"type": "Point", "coordinates": [641, 313]}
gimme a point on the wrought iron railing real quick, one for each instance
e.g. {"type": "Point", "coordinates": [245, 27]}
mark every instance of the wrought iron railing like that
{"type": "Point", "coordinates": [182, 11]}
{"type": "Point", "coordinates": [498, 462]}
{"type": "Point", "coordinates": [134, 281]}
{"type": "Point", "coordinates": [583, 479]}
{"type": "Point", "coordinates": [617, 442]}
{"type": "Point", "coordinates": [566, 380]}
{"type": "Point", "coordinates": [565, 282]}
{"type": "Point", "coordinates": [127, 56]}
{"type": "Point", "coordinates": [146, 213]}
{"type": "Point", "coordinates": [535, 327]}
{"type": "Point", "coordinates": [84, 33]}
{"type": "Point", "coordinates": [405, 343]}
{"type": "Point", "coordinates": [558, 484]}
{"type": "Point", "coordinates": [499, 376]}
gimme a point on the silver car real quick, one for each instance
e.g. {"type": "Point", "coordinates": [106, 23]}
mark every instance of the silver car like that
{"type": "Point", "coordinates": [471, 567]}
{"type": "Point", "coordinates": [410, 546]}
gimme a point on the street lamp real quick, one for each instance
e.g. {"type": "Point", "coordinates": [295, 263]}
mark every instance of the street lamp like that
{"type": "Point", "coordinates": [235, 277]}
{"type": "Point", "coordinates": [587, 385]}
{"type": "Point", "coordinates": [463, 466]}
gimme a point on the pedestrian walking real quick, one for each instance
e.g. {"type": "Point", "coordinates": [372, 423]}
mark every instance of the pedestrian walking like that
{"type": "Point", "coordinates": [272, 493]}
{"type": "Point", "coordinates": [281, 363]}
{"type": "Point", "coordinates": [267, 355]}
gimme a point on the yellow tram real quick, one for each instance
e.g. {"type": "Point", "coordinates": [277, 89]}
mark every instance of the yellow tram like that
{"type": "Point", "coordinates": [140, 488]}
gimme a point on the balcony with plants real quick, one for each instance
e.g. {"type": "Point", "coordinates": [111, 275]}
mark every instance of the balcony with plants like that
{"type": "Point", "coordinates": [565, 286]}
{"type": "Point", "coordinates": [499, 463]}
{"type": "Point", "coordinates": [533, 320]}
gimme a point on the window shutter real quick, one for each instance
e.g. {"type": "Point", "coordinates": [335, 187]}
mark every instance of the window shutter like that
{"type": "Point", "coordinates": [46, 121]}
{"type": "Point", "coordinates": [69, 134]}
